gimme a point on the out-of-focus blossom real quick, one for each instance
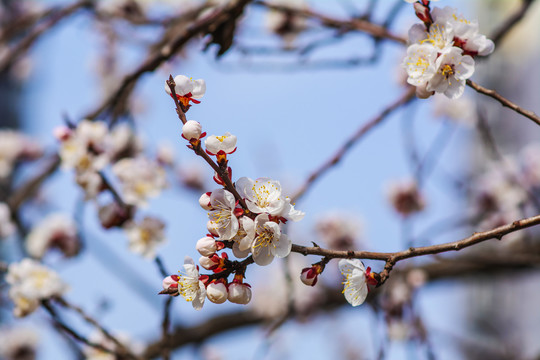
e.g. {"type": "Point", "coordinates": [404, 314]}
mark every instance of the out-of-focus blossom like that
{"type": "Point", "coordinates": [405, 197]}
{"type": "Point", "coordinates": [91, 353]}
{"type": "Point", "coordinates": [165, 154]}
{"type": "Point", "coordinates": [192, 176]}
{"type": "Point", "coordinates": [30, 282]}
{"type": "Point", "coordinates": [14, 147]}
{"type": "Point", "coordinates": [146, 236]}
{"type": "Point", "coordinates": [56, 231]}
{"type": "Point", "coordinates": [87, 148]}
{"type": "Point", "coordinates": [141, 179]}
{"type": "Point", "coordinates": [124, 142]}
{"type": "Point", "coordinates": [462, 110]}
{"type": "Point", "coordinates": [7, 227]}
{"type": "Point", "coordinates": [287, 24]}
{"type": "Point", "coordinates": [340, 231]}
{"type": "Point", "coordinates": [18, 343]}
{"type": "Point", "coordinates": [113, 215]}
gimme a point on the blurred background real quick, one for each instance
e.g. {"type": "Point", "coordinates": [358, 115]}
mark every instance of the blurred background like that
{"type": "Point", "coordinates": [294, 84]}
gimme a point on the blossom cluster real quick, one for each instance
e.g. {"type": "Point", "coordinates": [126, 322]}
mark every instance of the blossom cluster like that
{"type": "Point", "coordinates": [15, 147]}
{"type": "Point", "coordinates": [441, 51]}
{"type": "Point", "coordinates": [88, 148]}
{"type": "Point", "coordinates": [244, 217]}
{"type": "Point", "coordinates": [31, 283]}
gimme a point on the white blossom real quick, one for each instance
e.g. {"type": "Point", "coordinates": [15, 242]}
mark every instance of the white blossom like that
{"type": "Point", "coordinates": [189, 285]}
{"type": "Point", "coordinates": [269, 242]}
{"type": "Point", "coordinates": [187, 89]}
{"type": "Point", "coordinates": [222, 214]}
{"type": "Point", "coordinates": [244, 237]}
{"type": "Point", "coordinates": [453, 69]}
{"type": "Point", "coordinates": [465, 32]}
{"type": "Point", "coordinates": [420, 63]}
{"type": "Point", "coordinates": [146, 236]}
{"type": "Point", "coordinates": [30, 283]}
{"type": "Point", "coordinates": [340, 231]}
{"type": "Point", "coordinates": [354, 286]}
{"type": "Point", "coordinates": [87, 148]}
{"type": "Point", "coordinates": [7, 227]}
{"type": "Point", "coordinates": [15, 146]}
{"type": "Point", "coordinates": [224, 144]}
{"type": "Point", "coordinates": [54, 231]}
{"type": "Point", "coordinates": [262, 195]}
{"type": "Point", "coordinates": [141, 178]}
{"type": "Point", "coordinates": [204, 201]}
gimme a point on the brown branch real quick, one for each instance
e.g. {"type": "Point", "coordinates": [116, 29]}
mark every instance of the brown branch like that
{"type": "Point", "coordinates": [155, 59]}
{"type": "Point", "coordinates": [165, 350]}
{"type": "Point", "coordinates": [121, 347]}
{"type": "Point", "coordinates": [393, 257]}
{"type": "Point", "coordinates": [26, 190]}
{"type": "Point", "coordinates": [504, 102]}
{"type": "Point", "coordinates": [26, 43]}
{"type": "Point", "coordinates": [59, 323]}
{"type": "Point", "coordinates": [377, 31]}
{"type": "Point", "coordinates": [333, 298]}
{"type": "Point", "coordinates": [222, 172]}
{"type": "Point", "coordinates": [407, 97]}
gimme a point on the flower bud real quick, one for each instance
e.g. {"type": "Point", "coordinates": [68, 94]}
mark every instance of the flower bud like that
{"type": "Point", "coordinates": [62, 133]}
{"type": "Point", "coordinates": [239, 293]}
{"type": "Point", "coordinates": [204, 201]}
{"type": "Point", "coordinates": [206, 246]}
{"type": "Point", "coordinates": [217, 292]}
{"type": "Point", "coordinates": [191, 130]}
{"type": "Point", "coordinates": [209, 263]}
{"type": "Point", "coordinates": [310, 275]}
{"type": "Point", "coordinates": [170, 282]}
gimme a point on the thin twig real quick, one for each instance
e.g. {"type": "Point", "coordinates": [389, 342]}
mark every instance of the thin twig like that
{"type": "Point", "coordinates": [58, 322]}
{"type": "Point", "coordinates": [199, 151]}
{"type": "Point", "coordinates": [393, 257]}
{"type": "Point", "coordinates": [505, 28]}
{"type": "Point", "coordinates": [165, 351]}
{"type": "Point", "coordinates": [157, 58]}
{"type": "Point", "coordinates": [504, 101]}
{"type": "Point", "coordinates": [377, 31]}
{"type": "Point", "coordinates": [121, 347]}
{"type": "Point", "coordinates": [408, 96]}
{"type": "Point", "coordinates": [26, 43]}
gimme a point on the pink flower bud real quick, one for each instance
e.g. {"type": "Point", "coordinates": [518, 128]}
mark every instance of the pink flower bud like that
{"type": "Point", "coordinates": [191, 130]}
{"type": "Point", "coordinates": [204, 201]}
{"type": "Point", "coordinates": [310, 275]}
{"type": "Point", "coordinates": [209, 263]}
{"type": "Point", "coordinates": [170, 282]}
{"type": "Point", "coordinates": [62, 133]}
{"type": "Point", "coordinates": [206, 246]}
{"type": "Point", "coordinates": [239, 293]}
{"type": "Point", "coordinates": [217, 292]}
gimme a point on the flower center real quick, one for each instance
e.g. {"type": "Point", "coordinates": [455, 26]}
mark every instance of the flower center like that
{"type": "Point", "coordinates": [188, 287]}
{"type": "Point", "coordinates": [447, 70]}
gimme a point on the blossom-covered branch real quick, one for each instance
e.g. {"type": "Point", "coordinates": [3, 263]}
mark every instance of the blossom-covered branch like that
{"type": "Point", "coordinates": [392, 258]}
